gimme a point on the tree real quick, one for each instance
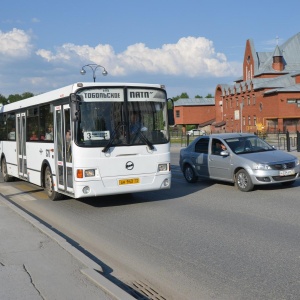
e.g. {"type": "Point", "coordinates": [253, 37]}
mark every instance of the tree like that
{"type": "Point", "coordinates": [17, 97]}
{"type": "Point", "coordinates": [3, 100]}
{"type": "Point", "coordinates": [27, 95]}
{"type": "Point", "coordinates": [14, 98]}
{"type": "Point", "coordinates": [209, 96]}
{"type": "Point", "coordinates": [183, 95]}
{"type": "Point", "coordinates": [197, 96]}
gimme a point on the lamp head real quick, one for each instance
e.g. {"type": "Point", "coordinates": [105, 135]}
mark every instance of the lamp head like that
{"type": "Point", "coordinates": [82, 72]}
{"type": "Point", "coordinates": [104, 73]}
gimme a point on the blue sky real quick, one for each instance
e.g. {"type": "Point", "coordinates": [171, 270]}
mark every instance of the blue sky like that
{"type": "Point", "coordinates": [189, 46]}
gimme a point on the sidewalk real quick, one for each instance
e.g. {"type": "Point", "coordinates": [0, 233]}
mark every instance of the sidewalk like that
{"type": "Point", "coordinates": [37, 263]}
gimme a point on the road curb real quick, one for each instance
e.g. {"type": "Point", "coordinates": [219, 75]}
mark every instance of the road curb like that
{"type": "Point", "coordinates": [92, 270]}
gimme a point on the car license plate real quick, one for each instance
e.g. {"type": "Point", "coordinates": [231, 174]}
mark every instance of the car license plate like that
{"type": "Point", "coordinates": [286, 172]}
{"type": "Point", "coordinates": [129, 181]}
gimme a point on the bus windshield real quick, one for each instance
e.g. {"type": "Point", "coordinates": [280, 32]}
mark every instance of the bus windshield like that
{"type": "Point", "coordinates": [130, 117]}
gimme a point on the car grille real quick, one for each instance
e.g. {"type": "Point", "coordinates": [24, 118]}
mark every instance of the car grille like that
{"type": "Point", "coordinates": [284, 166]}
{"type": "Point", "coordinates": [284, 178]}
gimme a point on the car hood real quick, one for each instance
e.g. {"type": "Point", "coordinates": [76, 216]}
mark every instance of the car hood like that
{"type": "Point", "coordinates": [266, 157]}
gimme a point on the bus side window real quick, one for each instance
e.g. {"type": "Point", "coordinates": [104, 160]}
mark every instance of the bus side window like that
{"type": "Point", "coordinates": [11, 127]}
{"type": "Point", "coordinates": [46, 122]}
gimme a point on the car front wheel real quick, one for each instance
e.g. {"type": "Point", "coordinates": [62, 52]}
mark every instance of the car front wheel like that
{"type": "Point", "coordinates": [189, 174]}
{"type": "Point", "coordinates": [243, 181]}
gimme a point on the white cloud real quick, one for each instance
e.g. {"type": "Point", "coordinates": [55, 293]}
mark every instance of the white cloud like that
{"type": "Point", "coordinates": [35, 20]}
{"type": "Point", "coordinates": [190, 56]}
{"type": "Point", "coordinates": [15, 44]}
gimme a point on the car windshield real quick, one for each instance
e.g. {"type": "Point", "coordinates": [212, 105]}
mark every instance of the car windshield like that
{"type": "Point", "coordinates": [249, 144]}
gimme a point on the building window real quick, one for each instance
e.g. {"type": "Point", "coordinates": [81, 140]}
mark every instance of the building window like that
{"type": "Point", "coordinates": [230, 103]}
{"type": "Point", "coordinates": [254, 120]}
{"type": "Point", "coordinates": [244, 121]}
{"type": "Point", "coordinates": [293, 101]}
{"type": "Point", "coordinates": [226, 103]}
{"type": "Point", "coordinates": [249, 101]}
{"type": "Point", "coordinates": [237, 102]}
{"type": "Point", "coordinates": [177, 113]}
{"type": "Point", "coordinates": [249, 120]}
{"type": "Point", "coordinates": [253, 99]}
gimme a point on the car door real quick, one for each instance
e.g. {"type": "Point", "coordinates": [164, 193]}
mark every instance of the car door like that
{"type": "Point", "coordinates": [199, 157]}
{"type": "Point", "coordinates": [219, 166]}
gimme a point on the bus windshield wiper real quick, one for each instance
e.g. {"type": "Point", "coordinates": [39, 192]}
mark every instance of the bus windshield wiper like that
{"type": "Point", "coordinates": [106, 148]}
{"type": "Point", "coordinates": [143, 138]}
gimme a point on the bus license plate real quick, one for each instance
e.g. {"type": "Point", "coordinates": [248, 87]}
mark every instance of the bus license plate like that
{"type": "Point", "coordinates": [286, 172]}
{"type": "Point", "coordinates": [129, 181]}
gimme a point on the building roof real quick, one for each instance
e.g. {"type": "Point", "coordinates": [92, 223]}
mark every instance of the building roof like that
{"type": "Point", "coordinates": [194, 102]}
{"type": "Point", "coordinates": [209, 122]}
{"type": "Point", "coordinates": [289, 51]}
{"type": "Point", "coordinates": [263, 64]}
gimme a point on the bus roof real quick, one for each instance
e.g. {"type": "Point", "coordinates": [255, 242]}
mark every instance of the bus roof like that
{"type": "Point", "coordinates": [67, 90]}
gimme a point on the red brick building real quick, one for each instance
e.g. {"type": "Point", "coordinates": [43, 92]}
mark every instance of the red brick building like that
{"type": "Point", "coordinates": [199, 111]}
{"type": "Point", "coordinates": [267, 96]}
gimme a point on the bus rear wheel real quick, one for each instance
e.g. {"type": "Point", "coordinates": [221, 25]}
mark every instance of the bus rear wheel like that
{"type": "Point", "coordinates": [49, 186]}
{"type": "Point", "coordinates": [6, 177]}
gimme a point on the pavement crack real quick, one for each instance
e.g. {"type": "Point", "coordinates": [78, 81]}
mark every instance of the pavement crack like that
{"type": "Point", "coordinates": [31, 280]}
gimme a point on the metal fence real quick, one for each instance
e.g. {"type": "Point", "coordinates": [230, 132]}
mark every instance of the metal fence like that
{"type": "Point", "coordinates": [284, 140]}
{"type": "Point", "coordinates": [281, 140]}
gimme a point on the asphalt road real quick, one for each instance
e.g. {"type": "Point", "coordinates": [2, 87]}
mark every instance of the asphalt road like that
{"type": "Point", "coordinates": [195, 241]}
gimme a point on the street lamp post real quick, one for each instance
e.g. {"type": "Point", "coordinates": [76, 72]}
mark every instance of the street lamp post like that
{"type": "Point", "coordinates": [94, 67]}
{"type": "Point", "coordinates": [242, 105]}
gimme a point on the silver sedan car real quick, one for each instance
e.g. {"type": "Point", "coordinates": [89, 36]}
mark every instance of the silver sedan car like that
{"type": "Point", "coordinates": [241, 158]}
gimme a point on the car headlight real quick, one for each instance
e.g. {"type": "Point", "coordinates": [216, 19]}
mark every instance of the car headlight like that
{"type": "Point", "coordinates": [261, 167]}
{"type": "Point", "coordinates": [297, 162]}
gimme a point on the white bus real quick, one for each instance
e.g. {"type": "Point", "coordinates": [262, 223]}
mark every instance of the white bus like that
{"type": "Point", "coordinates": [79, 141]}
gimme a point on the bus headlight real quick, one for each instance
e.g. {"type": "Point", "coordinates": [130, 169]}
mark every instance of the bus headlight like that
{"type": "Point", "coordinates": [162, 167]}
{"type": "Point", "coordinates": [89, 173]}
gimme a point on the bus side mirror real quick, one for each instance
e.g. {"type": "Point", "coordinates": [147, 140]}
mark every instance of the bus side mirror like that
{"type": "Point", "coordinates": [171, 117]}
{"type": "Point", "coordinates": [74, 105]}
{"type": "Point", "coordinates": [171, 120]}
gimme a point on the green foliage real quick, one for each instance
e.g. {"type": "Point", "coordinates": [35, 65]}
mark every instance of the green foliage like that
{"type": "Point", "coordinates": [209, 96]}
{"type": "Point", "coordinates": [14, 98]}
{"type": "Point", "coordinates": [2, 99]}
{"type": "Point", "coordinates": [183, 95]}
{"type": "Point", "coordinates": [27, 95]}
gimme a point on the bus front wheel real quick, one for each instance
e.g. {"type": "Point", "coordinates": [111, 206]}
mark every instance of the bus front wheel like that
{"type": "Point", "coordinates": [49, 186]}
{"type": "Point", "coordinates": [6, 177]}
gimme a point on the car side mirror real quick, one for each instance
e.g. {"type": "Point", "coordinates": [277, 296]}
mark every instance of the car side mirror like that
{"type": "Point", "coordinates": [224, 153]}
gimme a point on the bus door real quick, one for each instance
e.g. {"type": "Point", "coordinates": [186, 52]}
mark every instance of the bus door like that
{"type": "Point", "coordinates": [21, 144]}
{"type": "Point", "coordinates": [63, 142]}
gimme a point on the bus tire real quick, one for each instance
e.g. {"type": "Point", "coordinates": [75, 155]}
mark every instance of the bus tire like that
{"type": "Point", "coordinates": [49, 186]}
{"type": "Point", "coordinates": [6, 177]}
